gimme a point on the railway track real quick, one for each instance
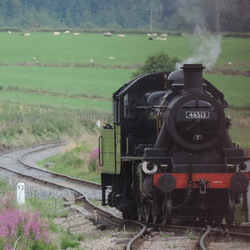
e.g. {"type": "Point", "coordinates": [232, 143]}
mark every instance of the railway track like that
{"type": "Point", "coordinates": [16, 162]}
{"type": "Point", "coordinates": [18, 165]}
{"type": "Point", "coordinates": [181, 237]}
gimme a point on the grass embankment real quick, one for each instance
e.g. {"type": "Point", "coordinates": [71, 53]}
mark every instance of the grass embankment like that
{"type": "Point", "coordinates": [28, 124]}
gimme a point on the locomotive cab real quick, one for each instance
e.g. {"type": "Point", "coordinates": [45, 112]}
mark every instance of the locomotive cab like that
{"type": "Point", "coordinates": [122, 144]}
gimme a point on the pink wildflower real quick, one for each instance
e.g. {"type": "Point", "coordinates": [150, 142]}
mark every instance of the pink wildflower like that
{"type": "Point", "coordinates": [94, 159]}
{"type": "Point", "coordinates": [8, 247]}
{"type": "Point", "coordinates": [14, 222]}
{"type": "Point", "coordinates": [4, 232]}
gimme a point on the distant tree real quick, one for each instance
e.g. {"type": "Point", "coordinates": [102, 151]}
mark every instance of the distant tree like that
{"type": "Point", "coordinates": [165, 15]}
{"type": "Point", "coordinates": [157, 63]}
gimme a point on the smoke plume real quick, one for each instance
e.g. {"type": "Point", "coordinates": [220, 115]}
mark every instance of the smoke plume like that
{"type": "Point", "coordinates": [206, 52]}
{"type": "Point", "coordinates": [207, 46]}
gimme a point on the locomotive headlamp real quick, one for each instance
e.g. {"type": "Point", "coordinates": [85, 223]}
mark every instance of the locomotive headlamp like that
{"type": "Point", "coordinates": [149, 168]}
{"type": "Point", "coordinates": [243, 166]}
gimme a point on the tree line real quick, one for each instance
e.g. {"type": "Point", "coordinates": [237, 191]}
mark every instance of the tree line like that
{"type": "Point", "coordinates": [169, 15]}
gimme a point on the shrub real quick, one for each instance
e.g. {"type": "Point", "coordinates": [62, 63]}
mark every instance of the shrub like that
{"type": "Point", "coordinates": [159, 62]}
{"type": "Point", "coordinates": [73, 158]}
{"type": "Point", "coordinates": [68, 243]}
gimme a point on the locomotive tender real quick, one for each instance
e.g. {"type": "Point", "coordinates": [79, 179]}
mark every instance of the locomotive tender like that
{"type": "Point", "coordinates": [168, 153]}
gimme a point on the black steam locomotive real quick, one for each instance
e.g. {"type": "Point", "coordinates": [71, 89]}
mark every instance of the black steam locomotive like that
{"type": "Point", "coordinates": [168, 153]}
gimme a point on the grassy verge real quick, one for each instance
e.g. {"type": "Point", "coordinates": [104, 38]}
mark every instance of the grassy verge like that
{"type": "Point", "coordinates": [79, 161]}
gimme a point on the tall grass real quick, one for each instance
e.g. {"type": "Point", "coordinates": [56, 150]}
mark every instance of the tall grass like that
{"type": "Point", "coordinates": [30, 124]}
{"type": "Point", "coordinates": [27, 124]}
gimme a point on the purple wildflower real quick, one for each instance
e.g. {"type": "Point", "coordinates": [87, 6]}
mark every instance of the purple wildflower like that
{"type": "Point", "coordinates": [93, 161]}
{"type": "Point", "coordinates": [15, 223]}
{"type": "Point", "coordinates": [8, 247]}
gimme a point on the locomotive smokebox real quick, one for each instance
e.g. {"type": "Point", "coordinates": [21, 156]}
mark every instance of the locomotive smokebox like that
{"type": "Point", "coordinates": [193, 81]}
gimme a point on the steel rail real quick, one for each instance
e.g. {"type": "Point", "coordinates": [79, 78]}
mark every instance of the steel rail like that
{"type": "Point", "coordinates": [203, 238]}
{"type": "Point", "coordinates": [138, 238]}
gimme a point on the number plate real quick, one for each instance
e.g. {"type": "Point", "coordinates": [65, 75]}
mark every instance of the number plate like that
{"type": "Point", "coordinates": [197, 114]}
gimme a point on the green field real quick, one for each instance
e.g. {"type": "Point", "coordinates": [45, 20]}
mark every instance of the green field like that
{"type": "Point", "coordinates": [83, 87]}
{"type": "Point", "coordinates": [56, 70]}
{"type": "Point", "coordinates": [67, 48]}
{"type": "Point", "coordinates": [72, 87]}
{"type": "Point", "coordinates": [43, 69]}
{"type": "Point", "coordinates": [236, 89]}
{"type": "Point", "coordinates": [67, 80]}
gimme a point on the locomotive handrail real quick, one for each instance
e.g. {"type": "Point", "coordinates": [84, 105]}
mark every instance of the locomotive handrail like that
{"type": "Point", "coordinates": [241, 159]}
{"type": "Point", "coordinates": [149, 107]}
{"type": "Point", "coordinates": [100, 155]}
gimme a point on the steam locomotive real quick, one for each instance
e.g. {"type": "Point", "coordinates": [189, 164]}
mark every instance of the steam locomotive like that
{"type": "Point", "coordinates": [168, 154]}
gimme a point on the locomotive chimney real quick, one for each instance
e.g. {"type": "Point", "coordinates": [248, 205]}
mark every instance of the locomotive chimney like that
{"type": "Point", "coordinates": [193, 78]}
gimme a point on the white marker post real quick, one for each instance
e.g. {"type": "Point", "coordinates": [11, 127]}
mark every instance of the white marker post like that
{"type": "Point", "coordinates": [98, 124]}
{"type": "Point", "coordinates": [20, 193]}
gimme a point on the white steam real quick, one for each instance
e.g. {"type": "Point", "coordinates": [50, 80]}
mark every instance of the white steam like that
{"type": "Point", "coordinates": [206, 52]}
{"type": "Point", "coordinates": [195, 12]}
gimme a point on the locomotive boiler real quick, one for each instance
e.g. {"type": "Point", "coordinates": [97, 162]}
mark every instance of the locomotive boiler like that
{"type": "Point", "coordinates": [168, 153]}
